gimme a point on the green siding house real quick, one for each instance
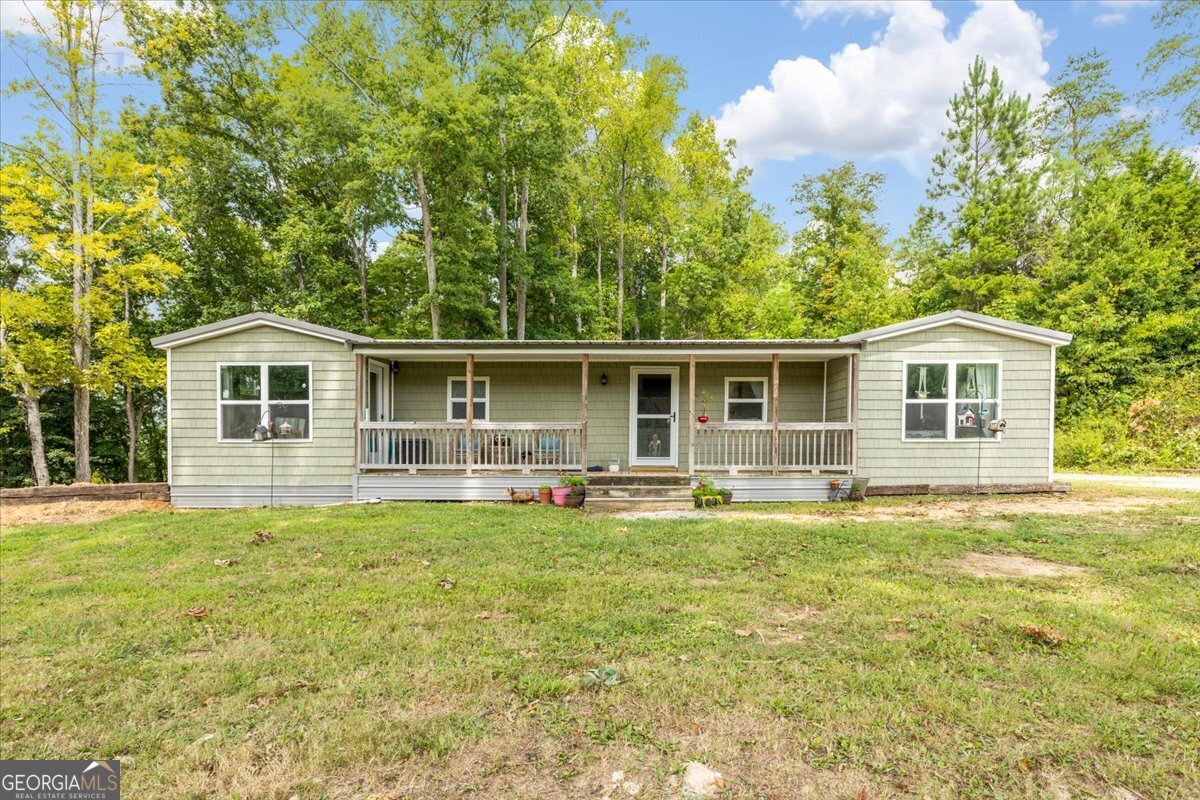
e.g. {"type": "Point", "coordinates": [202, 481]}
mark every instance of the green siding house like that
{"type": "Point", "coordinates": [267, 410]}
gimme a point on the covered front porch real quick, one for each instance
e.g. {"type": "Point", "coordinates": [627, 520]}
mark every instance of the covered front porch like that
{"type": "Point", "coordinates": [535, 409]}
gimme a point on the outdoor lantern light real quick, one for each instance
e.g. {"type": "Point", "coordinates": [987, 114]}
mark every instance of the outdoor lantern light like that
{"type": "Point", "coordinates": [394, 367]}
{"type": "Point", "coordinates": [604, 379]}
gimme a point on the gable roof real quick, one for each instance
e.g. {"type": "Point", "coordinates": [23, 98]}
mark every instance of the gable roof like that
{"type": "Point", "coordinates": [969, 319]}
{"type": "Point", "coordinates": [255, 320]}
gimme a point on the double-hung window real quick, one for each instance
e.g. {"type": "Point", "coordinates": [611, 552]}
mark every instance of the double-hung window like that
{"type": "Point", "coordinates": [949, 400]}
{"type": "Point", "coordinates": [275, 396]}
{"type": "Point", "coordinates": [745, 399]}
{"type": "Point", "coordinates": [456, 399]}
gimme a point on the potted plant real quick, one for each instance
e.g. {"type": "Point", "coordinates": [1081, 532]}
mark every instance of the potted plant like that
{"type": "Point", "coordinates": [575, 488]}
{"type": "Point", "coordinates": [545, 494]}
{"type": "Point", "coordinates": [703, 396]}
{"type": "Point", "coordinates": [707, 494]}
{"type": "Point", "coordinates": [857, 491]}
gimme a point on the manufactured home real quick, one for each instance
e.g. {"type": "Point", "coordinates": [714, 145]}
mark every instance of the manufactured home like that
{"type": "Point", "coordinates": [262, 409]}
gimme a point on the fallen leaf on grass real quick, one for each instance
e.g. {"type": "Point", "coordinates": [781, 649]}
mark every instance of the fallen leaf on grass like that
{"type": "Point", "coordinates": [446, 583]}
{"type": "Point", "coordinates": [262, 537]}
{"type": "Point", "coordinates": [1042, 634]}
{"type": "Point", "coordinates": [743, 632]}
{"type": "Point", "coordinates": [199, 612]}
{"type": "Point", "coordinates": [224, 562]}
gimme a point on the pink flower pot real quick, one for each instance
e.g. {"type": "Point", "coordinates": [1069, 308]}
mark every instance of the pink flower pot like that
{"type": "Point", "coordinates": [560, 494]}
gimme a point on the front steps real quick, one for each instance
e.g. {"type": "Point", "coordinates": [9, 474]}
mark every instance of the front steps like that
{"type": "Point", "coordinates": [621, 491]}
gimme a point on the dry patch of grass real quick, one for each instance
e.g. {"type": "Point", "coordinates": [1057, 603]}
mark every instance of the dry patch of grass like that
{"type": "Point", "coordinates": [996, 565]}
{"type": "Point", "coordinates": [74, 511]}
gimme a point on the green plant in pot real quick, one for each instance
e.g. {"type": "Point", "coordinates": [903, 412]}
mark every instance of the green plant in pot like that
{"type": "Point", "coordinates": [545, 494]}
{"type": "Point", "coordinates": [707, 494]}
{"type": "Point", "coordinates": [576, 490]}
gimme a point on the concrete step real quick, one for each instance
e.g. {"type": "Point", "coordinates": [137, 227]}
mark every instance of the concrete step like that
{"type": "Point", "coordinates": [641, 492]}
{"type": "Point", "coordinates": [607, 504]}
{"type": "Point", "coordinates": [636, 479]}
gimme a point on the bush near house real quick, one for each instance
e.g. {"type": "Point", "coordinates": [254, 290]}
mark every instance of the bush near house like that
{"type": "Point", "coordinates": [1161, 429]}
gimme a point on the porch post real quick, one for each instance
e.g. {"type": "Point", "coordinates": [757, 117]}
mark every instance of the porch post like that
{"type": "Point", "coordinates": [470, 412]}
{"type": "Point", "coordinates": [854, 414]}
{"type": "Point", "coordinates": [692, 414]}
{"type": "Point", "coordinates": [824, 412]}
{"type": "Point", "coordinates": [358, 371]}
{"type": "Point", "coordinates": [583, 415]}
{"type": "Point", "coordinates": [775, 413]}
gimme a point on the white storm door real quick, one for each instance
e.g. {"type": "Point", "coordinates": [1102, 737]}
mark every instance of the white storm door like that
{"type": "Point", "coordinates": [653, 416]}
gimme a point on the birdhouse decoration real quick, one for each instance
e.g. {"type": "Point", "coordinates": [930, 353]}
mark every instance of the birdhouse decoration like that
{"type": "Point", "coordinates": [966, 417]}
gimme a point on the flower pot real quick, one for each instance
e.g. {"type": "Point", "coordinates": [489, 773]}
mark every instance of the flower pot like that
{"type": "Point", "coordinates": [575, 500]}
{"type": "Point", "coordinates": [702, 418]}
{"type": "Point", "coordinates": [726, 496]}
{"type": "Point", "coordinates": [560, 495]}
{"type": "Point", "coordinates": [546, 496]}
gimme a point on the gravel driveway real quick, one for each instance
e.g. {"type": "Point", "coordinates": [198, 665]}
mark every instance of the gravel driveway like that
{"type": "Point", "coordinates": [1186, 483]}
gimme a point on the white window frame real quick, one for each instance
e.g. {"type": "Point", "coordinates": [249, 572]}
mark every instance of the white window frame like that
{"type": "Point", "coordinates": [951, 397]}
{"type": "Point", "coordinates": [262, 402]}
{"type": "Point", "coordinates": [765, 400]}
{"type": "Point", "coordinates": [487, 398]}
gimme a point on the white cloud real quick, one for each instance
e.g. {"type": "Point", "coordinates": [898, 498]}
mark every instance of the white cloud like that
{"type": "Point", "coordinates": [887, 99]}
{"type": "Point", "coordinates": [29, 17]}
{"type": "Point", "coordinates": [1118, 10]}
{"type": "Point", "coordinates": [810, 10]}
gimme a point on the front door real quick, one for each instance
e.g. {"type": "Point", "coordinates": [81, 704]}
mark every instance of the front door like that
{"type": "Point", "coordinates": [653, 416]}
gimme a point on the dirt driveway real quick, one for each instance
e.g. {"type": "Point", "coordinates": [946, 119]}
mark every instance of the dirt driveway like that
{"type": "Point", "coordinates": [1185, 483]}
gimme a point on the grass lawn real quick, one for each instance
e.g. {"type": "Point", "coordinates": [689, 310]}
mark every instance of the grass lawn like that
{"type": "Point", "coordinates": [438, 651]}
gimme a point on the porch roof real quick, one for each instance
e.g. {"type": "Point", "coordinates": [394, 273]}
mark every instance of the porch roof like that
{"type": "Point", "coordinates": [554, 349]}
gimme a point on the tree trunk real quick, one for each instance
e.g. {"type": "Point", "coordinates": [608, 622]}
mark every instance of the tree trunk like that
{"type": "Point", "coordinates": [662, 292]}
{"type": "Point", "coordinates": [599, 271]}
{"type": "Point", "coordinates": [37, 443]}
{"type": "Point", "coordinates": [575, 275]}
{"type": "Point", "coordinates": [80, 282]}
{"type": "Point", "coordinates": [133, 416]}
{"type": "Point", "coordinates": [523, 272]}
{"type": "Point", "coordinates": [430, 266]}
{"type": "Point", "coordinates": [502, 267]}
{"type": "Point", "coordinates": [621, 254]}
{"type": "Point", "coordinates": [360, 255]}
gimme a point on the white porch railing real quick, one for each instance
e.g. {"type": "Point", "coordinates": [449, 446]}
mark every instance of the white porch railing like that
{"type": "Point", "coordinates": [734, 446]}
{"type": "Point", "coordinates": [519, 446]}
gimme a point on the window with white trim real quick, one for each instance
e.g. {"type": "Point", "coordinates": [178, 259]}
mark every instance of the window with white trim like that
{"type": "Point", "coordinates": [456, 399]}
{"type": "Point", "coordinates": [950, 400]}
{"type": "Point", "coordinates": [276, 396]}
{"type": "Point", "coordinates": [745, 399]}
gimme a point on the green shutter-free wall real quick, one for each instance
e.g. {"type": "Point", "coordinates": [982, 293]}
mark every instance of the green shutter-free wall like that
{"type": "Point", "coordinates": [1026, 402]}
{"type": "Point", "coordinates": [199, 460]}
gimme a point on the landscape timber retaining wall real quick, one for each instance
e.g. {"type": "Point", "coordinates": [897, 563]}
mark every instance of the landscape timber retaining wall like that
{"type": "Point", "coordinates": [93, 492]}
{"type": "Point", "coordinates": [967, 488]}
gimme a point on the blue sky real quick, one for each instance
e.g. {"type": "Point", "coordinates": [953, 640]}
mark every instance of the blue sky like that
{"type": "Point", "coordinates": [729, 48]}
{"type": "Point", "coordinates": [805, 85]}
